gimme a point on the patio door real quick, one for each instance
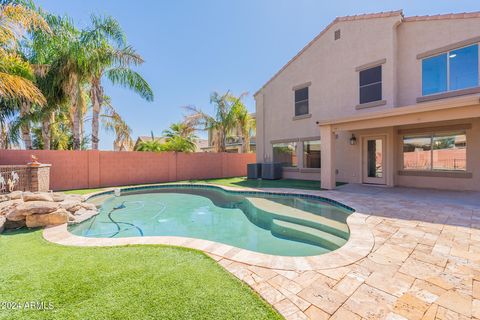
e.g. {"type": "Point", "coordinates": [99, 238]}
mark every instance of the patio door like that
{"type": "Point", "coordinates": [374, 156]}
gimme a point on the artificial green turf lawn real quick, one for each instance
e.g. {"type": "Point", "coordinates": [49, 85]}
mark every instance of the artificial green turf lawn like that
{"type": "Point", "coordinates": [243, 182]}
{"type": "Point", "coordinates": [130, 282]}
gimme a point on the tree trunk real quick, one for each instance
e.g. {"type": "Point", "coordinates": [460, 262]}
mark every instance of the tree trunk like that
{"type": "Point", "coordinates": [76, 111]}
{"type": "Point", "coordinates": [47, 131]}
{"type": "Point", "coordinates": [221, 140]}
{"type": "Point", "coordinates": [3, 136]}
{"type": "Point", "coordinates": [96, 95]}
{"type": "Point", "coordinates": [25, 128]}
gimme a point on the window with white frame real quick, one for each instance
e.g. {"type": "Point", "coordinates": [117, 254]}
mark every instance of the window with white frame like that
{"type": "Point", "coordinates": [449, 71]}
{"type": "Point", "coordinates": [437, 151]}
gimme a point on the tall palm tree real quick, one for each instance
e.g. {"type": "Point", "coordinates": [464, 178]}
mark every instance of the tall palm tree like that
{"type": "Point", "coordinates": [245, 124]}
{"type": "Point", "coordinates": [112, 121]}
{"type": "Point", "coordinates": [222, 122]}
{"type": "Point", "coordinates": [42, 51]}
{"type": "Point", "coordinates": [17, 88]}
{"type": "Point", "coordinates": [109, 57]}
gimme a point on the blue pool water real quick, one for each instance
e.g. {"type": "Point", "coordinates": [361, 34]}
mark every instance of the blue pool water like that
{"type": "Point", "coordinates": [275, 224]}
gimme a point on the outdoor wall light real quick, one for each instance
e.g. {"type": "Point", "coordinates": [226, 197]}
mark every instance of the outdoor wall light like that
{"type": "Point", "coordinates": [353, 140]}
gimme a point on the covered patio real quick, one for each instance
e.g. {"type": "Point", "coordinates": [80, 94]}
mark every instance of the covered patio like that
{"type": "Point", "coordinates": [346, 144]}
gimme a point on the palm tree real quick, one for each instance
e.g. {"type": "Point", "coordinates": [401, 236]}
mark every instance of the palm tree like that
{"type": "Point", "coordinates": [42, 51]}
{"type": "Point", "coordinates": [15, 74]}
{"type": "Point", "coordinates": [222, 122]}
{"type": "Point", "coordinates": [17, 89]}
{"type": "Point", "coordinates": [245, 124]}
{"type": "Point", "coordinates": [109, 57]}
{"type": "Point", "coordinates": [152, 145]}
{"type": "Point", "coordinates": [112, 121]}
{"type": "Point", "coordinates": [180, 138]}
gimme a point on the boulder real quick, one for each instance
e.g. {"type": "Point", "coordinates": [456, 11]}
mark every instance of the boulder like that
{"type": "Point", "coordinates": [7, 206]}
{"type": "Point", "coordinates": [40, 196]}
{"type": "Point", "coordinates": [2, 223]}
{"type": "Point", "coordinates": [35, 207]}
{"type": "Point", "coordinates": [88, 206]}
{"type": "Point", "coordinates": [85, 215]}
{"type": "Point", "coordinates": [58, 197]}
{"type": "Point", "coordinates": [59, 216]}
{"type": "Point", "coordinates": [15, 195]}
{"type": "Point", "coordinates": [71, 218]}
{"type": "Point", "coordinates": [13, 215]}
{"type": "Point", "coordinates": [14, 224]}
{"type": "Point", "coordinates": [4, 197]}
{"type": "Point", "coordinates": [71, 205]}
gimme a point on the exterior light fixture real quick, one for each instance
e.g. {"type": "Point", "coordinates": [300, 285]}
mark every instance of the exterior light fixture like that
{"type": "Point", "coordinates": [353, 140]}
{"type": "Point", "coordinates": [453, 55]}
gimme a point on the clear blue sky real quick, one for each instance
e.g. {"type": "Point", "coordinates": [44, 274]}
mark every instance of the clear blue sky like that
{"type": "Point", "coordinates": [192, 48]}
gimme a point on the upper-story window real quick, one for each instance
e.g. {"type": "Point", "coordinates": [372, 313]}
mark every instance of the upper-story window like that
{"type": "Point", "coordinates": [449, 71]}
{"type": "Point", "coordinates": [371, 84]}
{"type": "Point", "coordinates": [301, 101]}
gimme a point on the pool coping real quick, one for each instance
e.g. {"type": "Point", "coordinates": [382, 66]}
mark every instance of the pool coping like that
{"type": "Point", "coordinates": [358, 246]}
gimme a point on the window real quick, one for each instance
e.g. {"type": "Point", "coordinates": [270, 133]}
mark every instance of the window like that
{"type": "Point", "coordinates": [311, 154]}
{"type": "Point", "coordinates": [371, 85]}
{"type": "Point", "coordinates": [285, 153]}
{"type": "Point", "coordinates": [447, 152]}
{"type": "Point", "coordinates": [453, 70]}
{"type": "Point", "coordinates": [301, 102]}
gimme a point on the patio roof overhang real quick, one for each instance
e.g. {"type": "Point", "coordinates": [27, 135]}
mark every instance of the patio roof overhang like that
{"type": "Point", "coordinates": [457, 108]}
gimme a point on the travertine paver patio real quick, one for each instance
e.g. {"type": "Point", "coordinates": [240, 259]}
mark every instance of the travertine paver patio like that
{"type": "Point", "coordinates": [425, 262]}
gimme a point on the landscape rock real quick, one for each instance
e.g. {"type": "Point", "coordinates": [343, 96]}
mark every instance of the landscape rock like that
{"type": "Point", "coordinates": [15, 195]}
{"type": "Point", "coordinates": [71, 205]}
{"type": "Point", "coordinates": [35, 207]}
{"type": "Point", "coordinates": [59, 216]}
{"type": "Point", "coordinates": [88, 206]}
{"type": "Point", "coordinates": [58, 197]}
{"type": "Point", "coordinates": [2, 223]}
{"type": "Point", "coordinates": [7, 206]}
{"type": "Point", "coordinates": [71, 218]}
{"type": "Point", "coordinates": [4, 198]}
{"type": "Point", "coordinates": [43, 196]}
{"type": "Point", "coordinates": [14, 224]}
{"type": "Point", "coordinates": [84, 215]}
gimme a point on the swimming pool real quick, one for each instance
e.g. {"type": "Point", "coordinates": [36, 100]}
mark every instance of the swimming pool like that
{"type": "Point", "coordinates": [265, 222]}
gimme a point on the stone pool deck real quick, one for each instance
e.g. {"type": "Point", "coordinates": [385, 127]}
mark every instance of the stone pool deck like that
{"type": "Point", "coordinates": [424, 262]}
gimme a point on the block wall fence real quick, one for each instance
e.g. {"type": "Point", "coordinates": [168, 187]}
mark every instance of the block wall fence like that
{"type": "Point", "coordinates": [94, 169]}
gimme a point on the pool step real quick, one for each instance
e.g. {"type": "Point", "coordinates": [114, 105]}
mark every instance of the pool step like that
{"type": "Point", "coordinates": [288, 230]}
{"type": "Point", "coordinates": [296, 216]}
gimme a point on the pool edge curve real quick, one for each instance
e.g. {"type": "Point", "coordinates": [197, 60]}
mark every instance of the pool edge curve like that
{"type": "Point", "coordinates": [358, 246]}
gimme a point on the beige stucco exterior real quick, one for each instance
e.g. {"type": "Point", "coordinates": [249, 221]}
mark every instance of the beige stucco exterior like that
{"type": "Point", "coordinates": [330, 69]}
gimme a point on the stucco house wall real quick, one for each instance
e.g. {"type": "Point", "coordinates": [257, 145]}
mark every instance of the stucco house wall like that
{"type": "Point", "coordinates": [330, 67]}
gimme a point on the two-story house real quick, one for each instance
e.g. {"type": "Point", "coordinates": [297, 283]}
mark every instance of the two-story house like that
{"type": "Point", "coordinates": [379, 99]}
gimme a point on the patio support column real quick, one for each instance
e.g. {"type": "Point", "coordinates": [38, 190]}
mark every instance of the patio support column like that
{"type": "Point", "coordinates": [328, 174]}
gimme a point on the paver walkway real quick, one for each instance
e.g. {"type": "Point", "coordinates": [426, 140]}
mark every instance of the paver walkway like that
{"type": "Point", "coordinates": [425, 263]}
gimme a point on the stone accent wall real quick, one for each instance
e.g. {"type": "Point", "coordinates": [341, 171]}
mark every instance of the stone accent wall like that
{"type": "Point", "coordinates": [39, 178]}
{"type": "Point", "coordinates": [24, 178]}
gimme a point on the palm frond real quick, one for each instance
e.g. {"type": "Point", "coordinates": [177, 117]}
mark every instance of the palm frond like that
{"type": "Point", "coordinates": [16, 87]}
{"type": "Point", "coordinates": [132, 80]}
